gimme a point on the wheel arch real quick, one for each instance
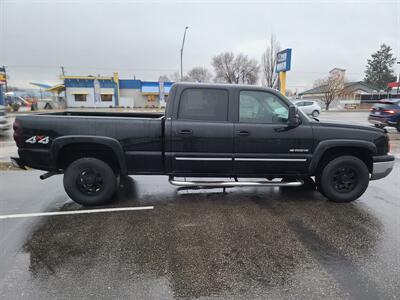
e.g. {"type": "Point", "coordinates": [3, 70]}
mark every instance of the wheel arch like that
{"type": "Point", "coordinates": [93, 146]}
{"type": "Point", "coordinates": [328, 150]}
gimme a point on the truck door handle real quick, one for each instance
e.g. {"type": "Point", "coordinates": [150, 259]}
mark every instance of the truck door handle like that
{"type": "Point", "coordinates": [186, 131]}
{"type": "Point", "coordinates": [243, 133]}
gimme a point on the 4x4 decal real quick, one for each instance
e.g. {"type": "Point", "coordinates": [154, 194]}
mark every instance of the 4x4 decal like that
{"type": "Point", "coordinates": [40, 139]}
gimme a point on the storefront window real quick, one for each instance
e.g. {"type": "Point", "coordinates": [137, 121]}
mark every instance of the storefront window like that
{"type": "Point", "coordinates": [106, 98]}
{"type": "Point", "coordinates": [80, 97]}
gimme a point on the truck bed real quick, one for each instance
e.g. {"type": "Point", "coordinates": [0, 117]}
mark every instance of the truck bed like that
{"type": "Point", "coordinates": [139, 134]}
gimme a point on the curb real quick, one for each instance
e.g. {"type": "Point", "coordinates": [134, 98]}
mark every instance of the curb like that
{"type": "Point", "coordinates": [7, 166]}
{"type": "Point", "coordinates": [394, 136]}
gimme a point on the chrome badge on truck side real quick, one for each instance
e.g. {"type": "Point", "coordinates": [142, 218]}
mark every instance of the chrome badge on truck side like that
{"type": "Point", "coordinates": [299, 150]}
{"type": "Point", "coordinates": [40, 139]}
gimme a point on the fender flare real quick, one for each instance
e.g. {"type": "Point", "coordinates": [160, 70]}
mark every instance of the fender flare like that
{"type": "Point", "coordinates": [324, 146]}
{"type": "Point", "coordinates": [112, 143]}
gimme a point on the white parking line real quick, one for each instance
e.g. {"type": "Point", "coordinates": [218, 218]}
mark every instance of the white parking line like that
{"type": "Point", "coordinates": [75, 212]}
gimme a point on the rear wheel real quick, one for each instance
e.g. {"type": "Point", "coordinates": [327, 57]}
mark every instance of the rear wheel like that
{"type": "Point", "coordinates": [90, 181]}
{"type": "Point", "coordinates": [344, 179]}
{"type": "Point", "coordinates": [315, 113]}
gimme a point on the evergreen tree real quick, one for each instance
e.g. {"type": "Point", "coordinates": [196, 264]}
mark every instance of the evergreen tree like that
{"type": "Point", "coordinates": [379, 69]}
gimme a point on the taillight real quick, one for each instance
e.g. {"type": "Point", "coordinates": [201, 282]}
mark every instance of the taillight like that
{"type": "Point", "coordinates": [389, 111]}
{"type": "Point", "coordinates": [17, 133]}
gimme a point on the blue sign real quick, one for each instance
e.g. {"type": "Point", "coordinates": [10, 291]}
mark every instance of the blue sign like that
{"type": "Point", "coordinates": [1, 95]}
{"type": "Point", "coordinates": [283, 60]}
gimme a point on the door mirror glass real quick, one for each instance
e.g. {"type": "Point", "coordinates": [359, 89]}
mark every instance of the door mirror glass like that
{"type": "Point", "coordinates": [293, 119]}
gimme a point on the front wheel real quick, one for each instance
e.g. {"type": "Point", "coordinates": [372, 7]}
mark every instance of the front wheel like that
{"type": "Point", "coordinates": [344, 179]}
{"type": "Point", "coordinates": [315, 113]}
{"type": "Point", "coordinates": [90, 181]}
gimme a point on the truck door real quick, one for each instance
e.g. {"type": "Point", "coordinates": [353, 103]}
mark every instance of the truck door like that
{"type": "Point", "coordinates": [263, 142]}
{"type": "Point", "coordinates": [201, 133]}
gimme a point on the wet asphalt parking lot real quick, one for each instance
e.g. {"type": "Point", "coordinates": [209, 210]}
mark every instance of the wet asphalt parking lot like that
{"type": "Point", "coordinates": [246, 243]}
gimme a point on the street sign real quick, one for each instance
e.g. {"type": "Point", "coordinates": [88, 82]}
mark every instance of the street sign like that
{"type": "Point", "coordinates": [283, 60]}
{"type": "Point", "coordinates": [97, 91]}
{"type": "Point", "coordinates": [393, 84]}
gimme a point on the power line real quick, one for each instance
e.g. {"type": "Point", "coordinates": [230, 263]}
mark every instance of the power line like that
{"type": "Point", "coordinates": [88, 68]}
{"type": "Point", "coordinates": [94, 68]}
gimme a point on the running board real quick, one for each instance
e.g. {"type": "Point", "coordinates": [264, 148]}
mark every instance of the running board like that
{"type": "Point", "coordinates": [234, 183]}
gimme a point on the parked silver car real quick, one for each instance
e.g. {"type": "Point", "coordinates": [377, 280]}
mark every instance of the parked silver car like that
{"type": "Point", "coordinates": [309, 107]}
{"type": "Point", "coordinates": [4, 124]}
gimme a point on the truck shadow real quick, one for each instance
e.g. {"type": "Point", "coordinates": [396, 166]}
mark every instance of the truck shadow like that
{"type": "Point", "coordinates": [127, 190]}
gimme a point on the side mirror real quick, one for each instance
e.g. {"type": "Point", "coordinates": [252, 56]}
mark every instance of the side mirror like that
{"type": "Point", "coordinates": [293, 119]}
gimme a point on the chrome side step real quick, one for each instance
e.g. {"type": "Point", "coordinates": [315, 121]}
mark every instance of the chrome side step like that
{"type": "Point", "coordinates": [233, 183]}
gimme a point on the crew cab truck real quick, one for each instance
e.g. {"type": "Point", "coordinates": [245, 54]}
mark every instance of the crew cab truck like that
{"type": "Point", "coordinates": [208, 130]}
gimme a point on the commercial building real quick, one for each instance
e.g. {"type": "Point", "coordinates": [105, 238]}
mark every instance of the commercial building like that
{"type": "Point", "coordinates": [101, 91]}
{"type": "Point", "coordinates": [349, 90]}
{"type": "Point", "coordinates": [348, 94]}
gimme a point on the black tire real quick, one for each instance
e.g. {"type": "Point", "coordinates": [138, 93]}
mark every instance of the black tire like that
{"type": "Point", "coordinates": [318, 183]}
{"type": "Point", "coordinates": [90, 181]}
{"type": "Point", "coordinates": [315, 113]}
{"type": "Point", "coordinates": [344, 179]}
{"type": "Point", "coordinates": [398, 126]}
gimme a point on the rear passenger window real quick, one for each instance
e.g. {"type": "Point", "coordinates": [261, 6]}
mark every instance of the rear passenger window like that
{"type": "Point", "coordinates": [203, 104]}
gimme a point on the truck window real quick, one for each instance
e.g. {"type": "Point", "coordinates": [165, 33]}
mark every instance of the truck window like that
{"type": "Point", "coordinates": [203, 104]}
{"type": "Point", "coordinates": [261, 107]}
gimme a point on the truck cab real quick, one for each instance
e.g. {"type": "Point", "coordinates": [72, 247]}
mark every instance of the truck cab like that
{"type": "Point", "coordinates": [221, 130]}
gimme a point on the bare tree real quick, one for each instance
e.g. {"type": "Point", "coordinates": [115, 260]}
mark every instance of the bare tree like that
{"type": "Point", "coordinates": [199, 74]}
{"type": "Point", "coordinates": [164, 78]}
{"type": "Point", "coordinates": [331, 87]}
{"type": "Point", "coordinates": [239, 69]}
{"type": "Point", "coordinates": [268, 63]}
{"type": "Point", "coordinates": [175, 77]}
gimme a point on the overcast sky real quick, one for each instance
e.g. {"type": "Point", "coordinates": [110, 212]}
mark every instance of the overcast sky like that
{"type": "Point", "coordinates": [143, 38]}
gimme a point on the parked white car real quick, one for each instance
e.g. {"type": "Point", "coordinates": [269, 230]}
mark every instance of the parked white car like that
{"type": "Point", "coordinates": [309, 107]}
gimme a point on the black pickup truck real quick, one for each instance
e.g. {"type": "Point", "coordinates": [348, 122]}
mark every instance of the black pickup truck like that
{"type": "Point", "coordinates": [208, 130]}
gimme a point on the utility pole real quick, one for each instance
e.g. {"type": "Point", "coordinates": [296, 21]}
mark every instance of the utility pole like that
{"type": "Point", "coordinates": [65, 92]}
{"type": "Point", "coordinates": [398, 79]}
{"type": "Point", "coordinates": [183, 44]}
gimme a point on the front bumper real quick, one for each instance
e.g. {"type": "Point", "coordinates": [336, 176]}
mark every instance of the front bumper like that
{"type": "Point", "coordinates": [381, 121]}
{"type": "Point", "coordinates": [382, 166]}
{"type": "Point", "coordinates": [5, 126]}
